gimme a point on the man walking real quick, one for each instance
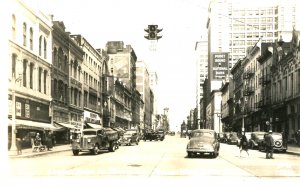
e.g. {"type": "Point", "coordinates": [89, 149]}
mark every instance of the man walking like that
{"type": "Point", "coordinates": [269, 145]}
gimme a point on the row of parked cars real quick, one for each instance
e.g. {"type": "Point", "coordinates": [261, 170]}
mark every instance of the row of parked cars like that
{"type": "Point", "coordinates": [256, 140]}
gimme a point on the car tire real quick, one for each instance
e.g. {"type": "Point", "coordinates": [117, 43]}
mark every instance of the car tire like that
{"type": "Point", "coordinates": [95, 150]}
{"type": "Point", "coordinates": [75, 152]}
{"type": "Point", "coordinates": [190, 155]}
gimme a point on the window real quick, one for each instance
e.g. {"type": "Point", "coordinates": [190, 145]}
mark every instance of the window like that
{"type": "Point", "coordinates": [13, 65]}
{"type": "Point", "coordinates": [31, 38]}
{"type": "Point", "coordinates": [31, 76]}
{"type": "Point", "coordinates": [45, 82]}
{"type": "Point", "coordinates": [54, 58]}
{"type": "Point", "coordinates": [40, 79]}
{"type": "Point", "coordinates": [40, 46]}
{"type": "Point", "coordinates": [13, 29]}
{"type": "Point", "coordinates": [60, 58]}
{"type": "Point", "coordinates": [24, 34]}
{"type": "Point", "coordinates": [45, 49]}
{"type": "Point", "coordinates": [24, 72]}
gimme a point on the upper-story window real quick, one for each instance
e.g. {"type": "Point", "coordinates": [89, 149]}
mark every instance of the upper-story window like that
{"type": "Point", "coordinates": [13, 66]}
{"type": "Point", "coordinates": [24, 34]}
{"type": "Point", "coordinates": [45, 48]}
{"type": "Point", "coordinates": [45, 81]}
{"type": "Point", "coordinates": [54, 58]}
{"type": "Point", "coordinates": [13, 27]}
{"type": "Point", "coordinates": [31, 75]}
{"type": "Point", "coordinates": [40, 46]}
{"type": "Point", "coordinates": [24, 72]}
{"type": "Point", "coordinates": [31, 38]}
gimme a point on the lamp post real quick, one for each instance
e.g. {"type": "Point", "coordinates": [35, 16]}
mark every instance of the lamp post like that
{"type": "Point", "coordinates": [13, 148]}
{"type": "Point", "coordinates": [219, 115]}
{"type": "Point", "coordinates": [243, 117]}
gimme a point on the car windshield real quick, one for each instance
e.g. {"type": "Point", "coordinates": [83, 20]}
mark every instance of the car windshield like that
{"type": "Point", "coordinates": [200, 134]}
{"type": "Point", "coordinates": [89, 132]}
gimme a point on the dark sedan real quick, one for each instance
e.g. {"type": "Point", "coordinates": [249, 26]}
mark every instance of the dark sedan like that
{"type": "Point", "coordinates": [233, 138]}
{"type": "Point", "coordinates": [203, 141]}
{"type": "Point", "coordinates": [129, 138]}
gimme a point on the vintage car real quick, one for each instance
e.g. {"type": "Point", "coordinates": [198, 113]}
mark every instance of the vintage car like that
{"type": "Point", "coordinates": [233, 138]}
{"type": "Point", "coordinates": [150, 135]}
{"type": "Point", "coordinates": [172, 133]}
{"type": "Point", "coordinates": [280, 144]}
{"type": "Point", "coordinates": [222, 137]}
{"type": "Point", "coordinates": [161, 134]}
{"type": "Point", "coordinates": [255, 139]}
{"type": "Point", "coordinates": [248, 136]}
{"type": "Point", "coordinates": [130, 137]}
{"type": "Point", "coordinates": [93, 140]}
{"type": "Point", "coordinates": [203, 141]}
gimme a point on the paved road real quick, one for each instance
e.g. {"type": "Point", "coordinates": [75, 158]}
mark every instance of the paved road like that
{"type": "Point", "coordinates": [157, 163]}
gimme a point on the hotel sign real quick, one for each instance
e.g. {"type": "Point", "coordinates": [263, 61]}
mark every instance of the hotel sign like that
{"type": "Point", "coordinates": [219, 65]}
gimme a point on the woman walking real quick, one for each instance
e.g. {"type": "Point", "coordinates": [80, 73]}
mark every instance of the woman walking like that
{"type": "Point", "coordinates": [244, 144]}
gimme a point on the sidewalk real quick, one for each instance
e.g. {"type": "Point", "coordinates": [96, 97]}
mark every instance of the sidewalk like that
{"type": "Point", "coordinates": [27, 153]}
{"type": "Point", "coordinates": [293, 149]}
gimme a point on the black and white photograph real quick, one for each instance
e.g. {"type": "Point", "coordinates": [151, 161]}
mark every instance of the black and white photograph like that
{"type": "Point", "coordinates": [150, 93]}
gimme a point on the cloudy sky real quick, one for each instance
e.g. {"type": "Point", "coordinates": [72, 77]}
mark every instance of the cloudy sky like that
{"type": "Point", "coordinates": [183, 23]}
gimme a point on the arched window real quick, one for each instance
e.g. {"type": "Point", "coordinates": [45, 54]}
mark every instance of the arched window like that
{"type": "Point", "coordinates": [54, 59]}
{"type": "Point", "coordinates": [24, 34]}
{"type": "Point", "coordinates": [40, 46]}
{"type": "Point", "coordinates": [55, 89]}
{"type": "Point", "coordinates": [66, 64]}
{"type": "Point", "coordinates": [45, 48]}
{"type": "Point", "coordinates": [13, 27]}
{"type": "Point", "coordinates": [60, 58]}
{"type": "Point", "coordinates": [31, 38]}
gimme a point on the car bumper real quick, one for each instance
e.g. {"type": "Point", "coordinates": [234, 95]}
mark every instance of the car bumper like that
{"type": "Point", "coordinates": [200, 150]}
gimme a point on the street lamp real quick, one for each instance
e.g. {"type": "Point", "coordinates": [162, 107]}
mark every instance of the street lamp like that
{"type": "Point", "coordinates": [219, 115]}
{"type": "Point", "coordinates": [243, 111]}
{"type": "Point", "coordinates": [13, 148]}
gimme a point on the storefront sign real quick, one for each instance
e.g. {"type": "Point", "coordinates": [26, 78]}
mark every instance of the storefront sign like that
{"type": "Point", "coordinates": [27, 110]}
{"type": "Point", "coordinates": [18, 109]}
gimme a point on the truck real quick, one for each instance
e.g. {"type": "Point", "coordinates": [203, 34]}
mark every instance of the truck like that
{"type": "Point", "coordinates": [95, 139]}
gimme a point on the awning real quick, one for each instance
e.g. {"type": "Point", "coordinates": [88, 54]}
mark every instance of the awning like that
{"type": "Point", "coordinates": [26, 124]}
{"type": "Point", "coordinates": [94, 126]}
{"type": "Point", "coordinates": [66, 125]}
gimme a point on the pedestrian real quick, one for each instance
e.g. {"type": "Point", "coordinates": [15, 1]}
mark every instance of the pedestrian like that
{"type": "Point", "coordinates": [244, 144]}
{"type": "Point", "coordinates": [49, 143]}
{"type": "Point", "coordinates": [19, 146]}
{"type": "Point", "coordinates": [269, 145]}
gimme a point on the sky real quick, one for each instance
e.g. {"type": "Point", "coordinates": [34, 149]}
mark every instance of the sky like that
{"type": "Point", "coordinates": [183, 23]}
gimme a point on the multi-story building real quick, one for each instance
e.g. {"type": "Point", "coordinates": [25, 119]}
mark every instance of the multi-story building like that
{"type": "Point", "coordinates": [29, 88]}
{"type": "Point", "coordinates": [201, 68]}
{"type": "Point", "coordinates": [91, 68]}
{"type": "Point", "coordinates": [143, 87]}
{"type": "Point", "coordinates": [60, 80]}
{"type": "Point", "coordinates": [234, 25]}
{"type": "Point", "coordinates": [122, 64]}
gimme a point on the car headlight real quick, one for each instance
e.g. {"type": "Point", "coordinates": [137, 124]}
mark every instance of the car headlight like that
{"type": "Point", "coordinates": [88, 140]}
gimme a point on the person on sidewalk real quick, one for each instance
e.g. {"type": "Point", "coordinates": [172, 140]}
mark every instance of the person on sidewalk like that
{"type": "Point", "coordinates": [19, 145]}
{"type": "Point", "coordinates": [49, 143]}
{"type": "Point", "coordinates": [269, 145]}
{"type": "Point", "coordinates": [244, 144]}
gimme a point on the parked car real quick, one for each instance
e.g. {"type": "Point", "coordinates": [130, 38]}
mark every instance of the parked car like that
{"type": "Point", "coordinates": [233, 138]}
{"type": "Point", "coordinates": [150, 135]}
{"type": "Point", "coordinates": [130, 137]}
{"type": "Point", "coordinates": [226, 137]}
{"type": "Point", "coordinates": [221, 137]}
{"type": "Point", "coordinates": [248, 136]}
{"type": "Point", "coordinates": [256, 138]}
{"type": "Point", "coordinates": [161, 134]}
{"type": "Point", "coordinates": [280, 144]}
{"type": "Point", "coordinates": [172, 133]}
{"type": "Point", "coordinates": [203, 141]}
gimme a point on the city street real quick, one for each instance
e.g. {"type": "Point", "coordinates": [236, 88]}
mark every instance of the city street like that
{"type": "Point", "coordinates": [164, 161]}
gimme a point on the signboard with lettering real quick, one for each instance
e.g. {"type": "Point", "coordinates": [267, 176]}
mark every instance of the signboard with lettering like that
{"type": "Point", "coordinates": [220, 65]}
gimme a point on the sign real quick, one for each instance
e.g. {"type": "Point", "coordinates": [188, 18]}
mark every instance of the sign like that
{"type": "Point", "coordinates": [27, 110]}
{"type": "Point", "coordinates": [18, 109]}
{"type": "Point", "coordinates": [219, 65]}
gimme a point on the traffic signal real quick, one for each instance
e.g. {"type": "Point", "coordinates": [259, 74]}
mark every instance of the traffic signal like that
{"type": "Point", "coordinates": [152, 31]}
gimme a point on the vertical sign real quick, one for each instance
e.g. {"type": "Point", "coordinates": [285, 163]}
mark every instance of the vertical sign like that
{"type": "Point", "coordinates": [18, 109]}
{"type": "Point", "coordinates": [27, 110]}
{"type": "Point", "coordinates": [220, 65]}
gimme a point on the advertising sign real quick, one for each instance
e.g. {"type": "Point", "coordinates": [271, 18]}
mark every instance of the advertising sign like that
{"type": "Point", "coordinates": [220, 65]}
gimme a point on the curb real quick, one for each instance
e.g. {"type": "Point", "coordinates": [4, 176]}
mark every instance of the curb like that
{"type": "Point", "coordinates": [38, 154]}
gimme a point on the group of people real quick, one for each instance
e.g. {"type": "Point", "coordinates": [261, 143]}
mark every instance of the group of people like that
{"type": "Point", "coordinates": [269, 145]}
